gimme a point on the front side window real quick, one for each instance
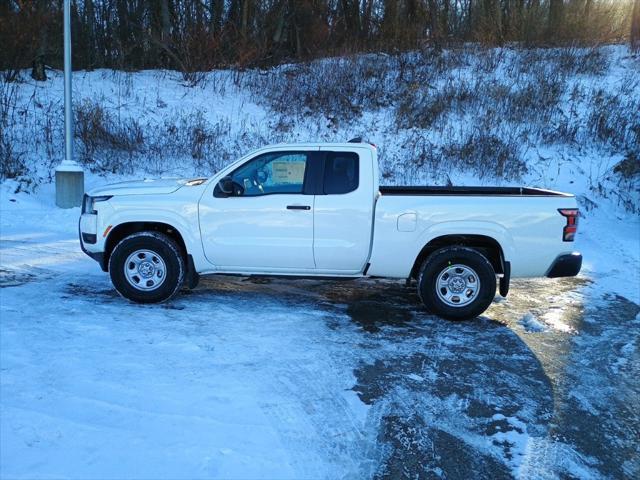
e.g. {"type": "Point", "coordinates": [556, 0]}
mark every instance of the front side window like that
{"type": "Point", "coordinates": [341, 173]}
{"type": "Point", "coordinates": [280, 172]}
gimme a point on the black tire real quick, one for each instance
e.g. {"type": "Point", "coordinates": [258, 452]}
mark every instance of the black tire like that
{"type": "Point", "coordinates": [163, 251]}
{"type": "Point", "coordinates": [444, 259]}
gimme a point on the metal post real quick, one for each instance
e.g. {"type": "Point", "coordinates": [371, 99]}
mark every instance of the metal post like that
{"type": "Point", "coordinates": [68, 111]}
{"type": "Point", "coordinates": [69, 175]}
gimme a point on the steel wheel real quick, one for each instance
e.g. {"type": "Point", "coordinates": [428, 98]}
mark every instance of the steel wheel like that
{"type": "Point", "coordinates": [457, 285]}
{"type": "Point", "coordinates": [145, 270]}
{"type": "Point", "coordinates": [457, 282]}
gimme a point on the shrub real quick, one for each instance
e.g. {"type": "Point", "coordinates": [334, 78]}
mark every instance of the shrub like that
{"type": "Point", "coordinates": [627, 174]}
{"type": "Point", "coordinates": [615, 120]}
{"type": "Point", "coordinates": [563, 61]}
{"type": "Point", "coordinates": [12, 164]}
{"type": "Point", "coordinates": [336, 88]}
{"type": "Point", "coordinates": [421, 109]}
{"type": "Point", "coordinates": [629, 167]}
{"type": "Point", "coordinates": [535, 100]}
{"type": "Point", "coordinates": [103, 139]}
{"type": "Point", "coordinates": [585, 61]}
{"type": "Point", "coordinates": [487, 154]}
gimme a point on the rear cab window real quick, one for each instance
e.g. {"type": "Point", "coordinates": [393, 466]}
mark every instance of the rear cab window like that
{"type": "Point", "coordinates": [341, 173]}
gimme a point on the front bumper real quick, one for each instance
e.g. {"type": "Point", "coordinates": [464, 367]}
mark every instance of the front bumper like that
{"type": "Point", "coordinates": [97, 256]}
{"type": "Point", "coordinates": [567, 265]}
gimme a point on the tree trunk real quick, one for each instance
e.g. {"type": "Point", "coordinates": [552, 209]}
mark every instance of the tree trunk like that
{"type": "Point", "coordinates": [366, 19]}
{"type": "Point", "coordinates": [445, 18]}
{"type": "Point", "coordinates": [38, 67]}
{"type": "Point", "coordinates": [165, 20]}
{"type": "Point", "coordinates": [350, 10]}
{"type": "Point", "coordinates": [245, 18]}
{"type": "Point", "coordinates": [281, 25]}
{"type": "Point", "coordinates": [520, 18]}
{"type": "Point", "coordinates": [587, 9]}
{"type": "Point", "coordinates": [390, 19]}
{"type": "Point", "coordinates": [470, 20]}
{"type": "Point", "coordinates": [216, 8]}
{"type": "Point", "coordinates": [434, 23]}
{"type": "Point", "coordinates": [506, 24]}
{"type": "Point", "coordinates": [556, 18]}
{"type": "Point", "coordinates": [635, 27]}
{"type": "Point", "coordinates": [90, 19]}
{"type": "Point", "coordinates": [123, 33]}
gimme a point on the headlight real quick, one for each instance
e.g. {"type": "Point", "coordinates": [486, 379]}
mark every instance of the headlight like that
{"type": "Point", "coordinates": [88, 203]}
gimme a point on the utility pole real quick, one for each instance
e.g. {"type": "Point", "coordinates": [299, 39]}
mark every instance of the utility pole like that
{"type": "Point", "coordinates": [69, 175]}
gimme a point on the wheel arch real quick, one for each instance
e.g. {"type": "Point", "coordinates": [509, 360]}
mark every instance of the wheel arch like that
{"type": "Point", "coordinates": [122, 230]}
{"type": "Point", "coordinates": [485, 244]}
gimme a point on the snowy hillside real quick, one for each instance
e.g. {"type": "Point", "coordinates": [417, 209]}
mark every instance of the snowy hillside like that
{"type": "Point", "coordinates": [314, 379]}
{"type": "Point", "coordinates": [541, 117]}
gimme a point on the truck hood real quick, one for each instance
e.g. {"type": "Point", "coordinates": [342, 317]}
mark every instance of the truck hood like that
{"type": "Point", "coordinates": [147, 187]}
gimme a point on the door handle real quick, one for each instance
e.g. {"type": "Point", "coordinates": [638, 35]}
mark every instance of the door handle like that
{"type": "Point", "coordinates": [298, 207]}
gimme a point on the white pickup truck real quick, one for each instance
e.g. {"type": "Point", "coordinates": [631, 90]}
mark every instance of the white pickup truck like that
{"type": "Point", "coordinates": [317, 210]}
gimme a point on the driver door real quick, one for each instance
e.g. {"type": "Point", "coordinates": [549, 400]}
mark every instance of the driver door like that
{"type": "Point", "coordinates": [266, 223]}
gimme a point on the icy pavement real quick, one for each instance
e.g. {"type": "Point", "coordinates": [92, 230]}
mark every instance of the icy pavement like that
{"type": "Point", "coordinates": [266, 378]}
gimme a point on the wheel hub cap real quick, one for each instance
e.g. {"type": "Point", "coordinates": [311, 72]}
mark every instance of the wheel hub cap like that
{"type": "Point", "coordinates": [145, 270]}
{"type": "Point", "coordinates": [457, 285]}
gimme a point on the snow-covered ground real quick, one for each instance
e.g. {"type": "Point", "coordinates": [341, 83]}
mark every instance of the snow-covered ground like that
{"type": "Point", "coordinates": [306, 379]}
{"type": "Point", "coordinates": [270, 378]}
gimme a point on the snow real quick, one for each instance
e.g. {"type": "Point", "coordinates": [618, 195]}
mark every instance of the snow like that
{"type": "Point", "coordinates": [532, 324]}
{"type": "Point", "coordinates": [553, 318]}
{"type": "Point", "coordinates": [238, 380]}
{"type": "Point", "coordinates": [515, 440]}
{"type": "Point", "coordinates": [165, 396]}
{"type": "Point", "coordinates": [244, 379]}
{"type": "Point", "coordinates": [221, 383]}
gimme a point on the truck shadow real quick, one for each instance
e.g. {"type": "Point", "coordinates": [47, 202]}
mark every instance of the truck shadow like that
{"type": "Point", "coordinates": [448, 398]}
{"type": "Point", "coordinates": [457, 399]}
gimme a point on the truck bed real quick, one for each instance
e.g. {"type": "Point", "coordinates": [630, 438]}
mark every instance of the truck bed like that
{"type": "Point", "coordinates": [471, 191]}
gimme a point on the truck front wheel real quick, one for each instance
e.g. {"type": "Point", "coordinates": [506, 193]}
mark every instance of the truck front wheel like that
{"type": "Point", "coordinates": [147, 267]}
{"type": "Point", "coordinates": [457, 283]}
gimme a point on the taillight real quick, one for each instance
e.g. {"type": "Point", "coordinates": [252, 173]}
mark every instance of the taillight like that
{"type": "Point", "coordinates": [570, 229]}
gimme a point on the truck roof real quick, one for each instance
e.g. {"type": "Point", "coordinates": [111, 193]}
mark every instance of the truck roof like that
{"type": "Point", "coordinates": [321, 144]}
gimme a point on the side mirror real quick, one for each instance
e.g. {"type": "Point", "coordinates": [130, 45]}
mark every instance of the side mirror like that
{"type": "Point", "coordinates": [226, 185]}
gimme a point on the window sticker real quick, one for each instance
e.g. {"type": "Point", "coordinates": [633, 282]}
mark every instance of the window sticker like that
{"type": "Point", "coordinates": [287, 172]}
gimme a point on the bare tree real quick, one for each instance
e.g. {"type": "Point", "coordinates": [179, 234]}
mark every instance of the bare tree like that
{"type": "Point", "coordinates": [38, 73]}
{"type": "Point", "coordinates": [216, 11]}
{"type": "Point", "coordinates": [195, 35]}
{"type": "Point", "coordinates": [555, 19]}
{"type": "Point", "coordinates": [635, 27]}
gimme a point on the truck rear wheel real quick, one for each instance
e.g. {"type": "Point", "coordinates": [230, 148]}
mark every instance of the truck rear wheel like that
{"type": "Point", "coordinates": [457, 283]}
{"type": "Point", "coordinates": [147, 267]}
